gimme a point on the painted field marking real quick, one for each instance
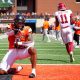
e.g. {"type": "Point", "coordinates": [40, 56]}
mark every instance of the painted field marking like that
{"type": "Point", "coordinates": [51, 64]}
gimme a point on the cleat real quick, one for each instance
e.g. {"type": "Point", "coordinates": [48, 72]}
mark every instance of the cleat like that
{"type": "Point", "coordinates": [32, 75]}
{"type": "Point", "coordinates": [12, 71]}
{"type": "Point", "coordinates": [71, 58]}
{"type": "Point", "coordinates": [19, 68]}
{"type": "Point", "coordinates": [15, 70]}
{"type": "Point", "coordinates": [2, 72]}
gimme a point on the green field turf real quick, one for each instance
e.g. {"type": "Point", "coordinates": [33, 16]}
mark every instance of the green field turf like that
{"type": "Point", "coordinates": [47, 52]}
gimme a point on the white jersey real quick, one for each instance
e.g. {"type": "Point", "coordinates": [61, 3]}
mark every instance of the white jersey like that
{"type": "Point", "coordinates": [63, 17]}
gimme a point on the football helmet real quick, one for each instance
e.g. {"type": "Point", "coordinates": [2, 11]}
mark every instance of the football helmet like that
{"type": "Point", "coordinates": [61, 6]}
{"type": "Point", "coordinates": [19, 21]}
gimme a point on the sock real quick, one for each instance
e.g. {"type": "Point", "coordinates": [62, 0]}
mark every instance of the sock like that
{"type": "Point", "coordinates": [69, 47]}
{"type": "Point", "coordinates": [34, 71]}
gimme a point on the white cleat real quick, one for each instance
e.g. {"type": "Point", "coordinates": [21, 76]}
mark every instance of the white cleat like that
{"type": "Point", "coordinates": [19, 68]}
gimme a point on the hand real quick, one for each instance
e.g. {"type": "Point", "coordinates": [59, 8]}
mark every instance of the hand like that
{"type": "Point", "coordinates": [16, 44]}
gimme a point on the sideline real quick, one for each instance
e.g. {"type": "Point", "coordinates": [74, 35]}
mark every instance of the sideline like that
{"type": "Point", "coordinates": [51, 64]}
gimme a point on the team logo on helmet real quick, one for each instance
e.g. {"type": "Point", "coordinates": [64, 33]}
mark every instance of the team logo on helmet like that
{"type": "Point", "coordinates": [61, 6]}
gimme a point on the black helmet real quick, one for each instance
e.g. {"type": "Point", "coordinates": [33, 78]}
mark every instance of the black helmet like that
{"type": "Point", "coordinates": [19, 19]}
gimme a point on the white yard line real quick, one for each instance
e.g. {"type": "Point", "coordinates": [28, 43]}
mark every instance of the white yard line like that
{"type": "Point", "coordinates": [52, 64]}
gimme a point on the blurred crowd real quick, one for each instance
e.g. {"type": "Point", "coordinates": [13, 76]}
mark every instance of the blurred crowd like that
{"type": "Point", "coordinates": [27, 15]}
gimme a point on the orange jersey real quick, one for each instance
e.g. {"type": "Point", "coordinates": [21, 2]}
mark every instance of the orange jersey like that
{"type": "Point", "coordinates": [11, 26]}
{"type": "Point", "coordinates": [53, 28]}
{"type": "Point", "coordinates": [11, 40]}
{"type": "Point", "coordinates": [21, 36]}
{"type": "Point", "coordinates": [57, 28]}
{"type": "Point", "coordinates": [45, 25]}
{"type": "Point", "coordinates": [77, 23]}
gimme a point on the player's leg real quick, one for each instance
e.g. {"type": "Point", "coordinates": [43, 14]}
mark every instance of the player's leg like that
{"type": "Point", "coordinates": [70, 46]}
{"type": "Point", "coordinates": [33, 54]}
{"type": "Point", "coordinates": [76, 40]}
{"type": "Point", "coordinates": [15, 70]}
{"type": "Point", "coordinates": [30, 51]}
{"type": "Point", "coordinates": [7, 61]}
{"type": "Point", "coordinates": [43, 35]}
{"type": "Point", "coordinates": [47, 35]}
{"type": "Point", "coordinates": [67, 38]}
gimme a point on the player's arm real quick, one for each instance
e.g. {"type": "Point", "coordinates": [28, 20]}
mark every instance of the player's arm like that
{"type": "Point", "coordinates": [71, 19]}
{"type": "Point", "coordinates": [30, 37]}
{"type": "Point", "coordinates": [5, 35]}
{"type": "Point", "coordinates": [29, 41]}
{"type": "Point", "coordinates": [56, 22]}
{"type": "Point", "coordinates": [77, 28]}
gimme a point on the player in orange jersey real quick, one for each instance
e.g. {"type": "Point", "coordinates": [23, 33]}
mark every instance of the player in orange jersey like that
{"type": "Point", "coordinates": [57, 31]}
{"type": "Point", "coordinates": [52, 30]}
{"type": "Point", "coordinates": [45, 30]}
{"type": "Point", "coordinates": [21, 46]}
{"type": "Point", "coordinates": [77, 32]}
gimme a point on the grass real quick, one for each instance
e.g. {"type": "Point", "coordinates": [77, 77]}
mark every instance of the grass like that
{"type": "Point", "coordinates": [47, 53]}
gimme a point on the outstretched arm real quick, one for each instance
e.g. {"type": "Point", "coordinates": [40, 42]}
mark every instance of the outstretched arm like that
{"type": "Point", "coordinates": [5, 35]}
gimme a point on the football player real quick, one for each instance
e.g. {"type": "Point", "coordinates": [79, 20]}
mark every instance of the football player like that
{"type": "Point", "coordinates": [21, 46]}
{"type": "Point", "coordinates": [45, 28]}
{"type": "Point", "coordinates": [77, 32]}
{"type": "Point", "coordinates": [64, 18]}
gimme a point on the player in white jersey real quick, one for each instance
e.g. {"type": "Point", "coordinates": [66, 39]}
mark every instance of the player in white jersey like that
{"type": "Point", "coordinates": [64, 18]}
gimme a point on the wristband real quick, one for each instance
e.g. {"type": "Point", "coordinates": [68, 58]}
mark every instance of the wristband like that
{"type": "Point", "coordinates": [19, 43]}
